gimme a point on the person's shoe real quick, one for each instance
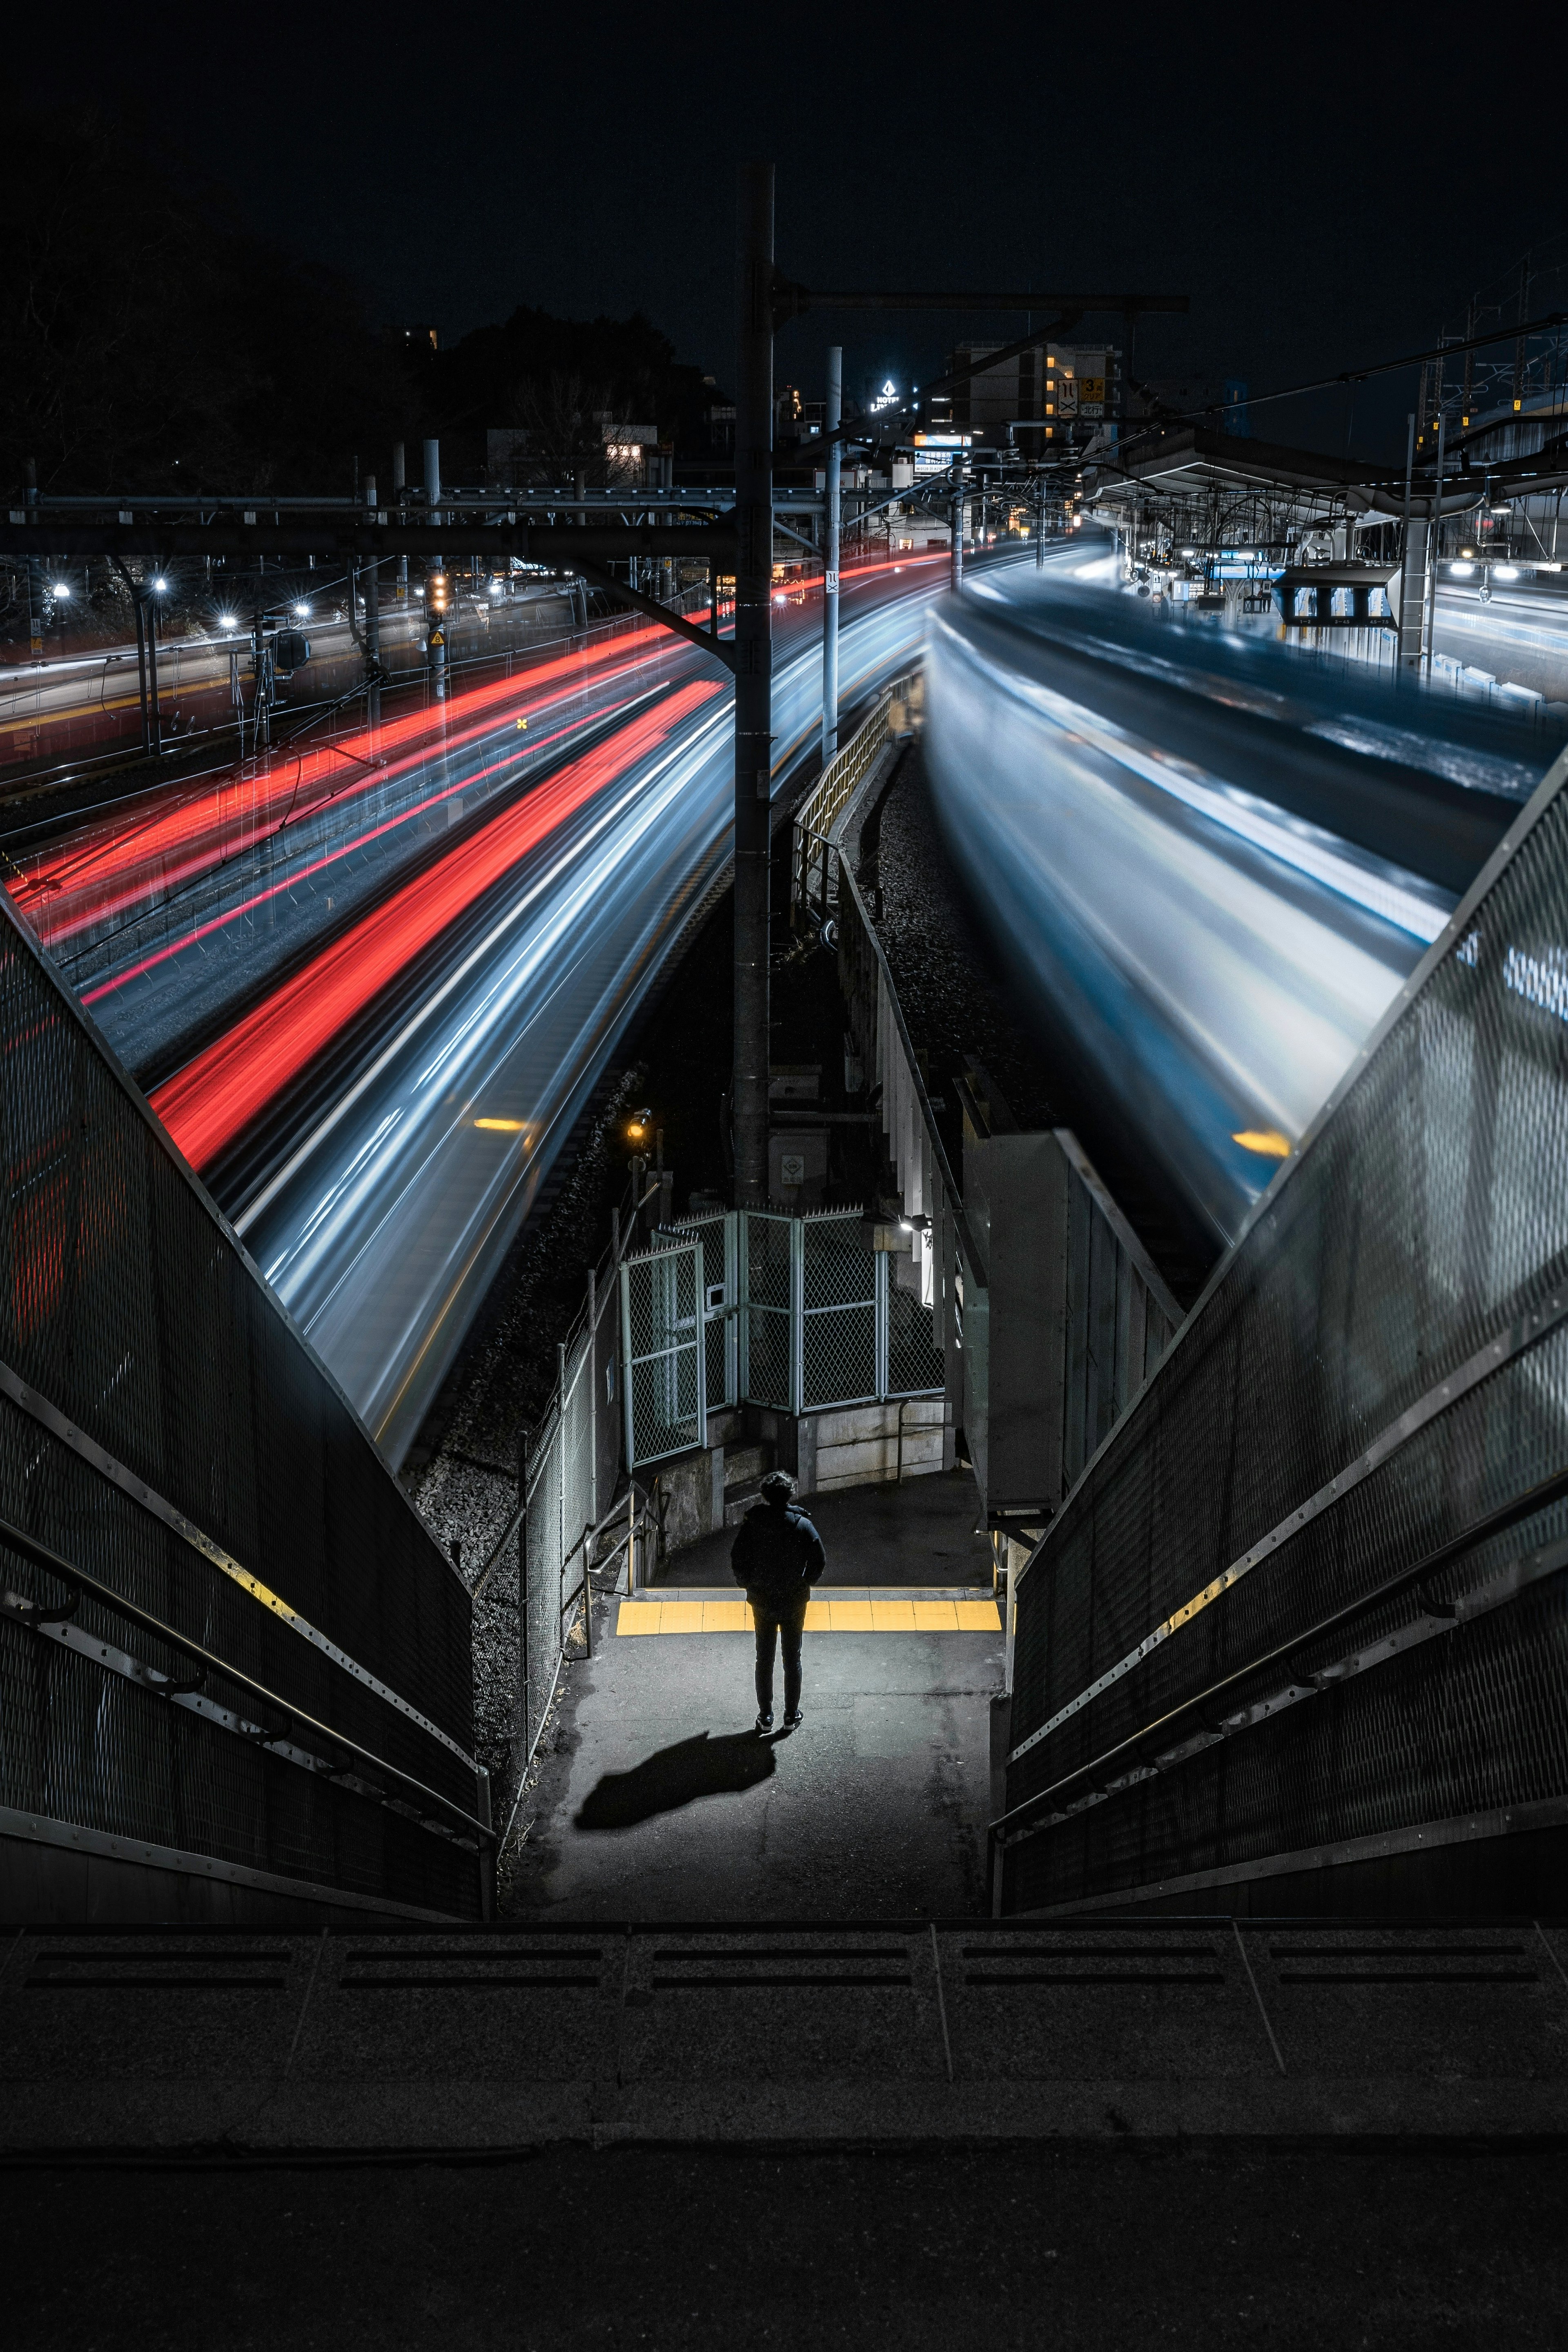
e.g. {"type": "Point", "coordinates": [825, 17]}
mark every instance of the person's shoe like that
{"type": "Point", "coordinates": [766, 1722]}
{"type": "Point", "coordinates": [793, 1722]}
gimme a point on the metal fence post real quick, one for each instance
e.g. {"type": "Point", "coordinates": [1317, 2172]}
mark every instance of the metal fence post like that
{"type": "Point", "coordinates": [796, 1317]}
{"type": "Point", "coordinates": [592, 1369]}
{"type": "Point", "coordinates": [522, 1453]}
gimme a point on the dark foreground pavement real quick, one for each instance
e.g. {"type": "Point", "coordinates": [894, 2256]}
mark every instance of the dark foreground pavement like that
{"type": "Point", "coordinates": [657, 2249]}
{"type": "Point", "coordinates": [652, 1798]}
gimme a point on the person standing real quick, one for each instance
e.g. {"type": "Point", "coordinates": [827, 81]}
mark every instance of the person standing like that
{"type": "Point", "coordinates": [777, 1554]}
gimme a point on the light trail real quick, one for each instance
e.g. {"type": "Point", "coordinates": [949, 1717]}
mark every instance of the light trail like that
{"type": "Point", "coordinates": [1210, 860]}
{"type": "Point", "coordinates": [105, 870]}
{"type": "Point", "coordinates": [224, 1087]}
{"type": "Point", "coordinates": [375, 1203]}
{"type": "Point", "coordinates": [244, 906]}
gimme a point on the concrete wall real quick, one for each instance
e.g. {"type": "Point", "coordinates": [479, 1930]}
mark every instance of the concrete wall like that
{"type": "Point", "coordinates": [857, 1445]}
{"type": "Point", "coordinates": [849, 1445]}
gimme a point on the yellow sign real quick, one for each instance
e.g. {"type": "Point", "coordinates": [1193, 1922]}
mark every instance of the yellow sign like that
{"type": "Point", "coordinates": [1092, 388]}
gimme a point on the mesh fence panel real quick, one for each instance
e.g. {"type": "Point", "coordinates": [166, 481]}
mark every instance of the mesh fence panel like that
{"type": "Point", "coordinates": [916, 1364]}
{"type": "Point", "coordinates": [662, 1350]}
{"type": "Point", "coordinates": [716, 1236]}
{"type": "Point", "coordinates": [578, 1481]}
{"type": "Point", "coordinates": [839, 1339]}
{"type": "Point", "coordinates": [128, 1310]}
{"type": "Point", "coordinates": [766, 1246]}
{"type": "Point", "coordinates": [544, 1548]}
{"type": "Point", "coordinates": [1424, 1219]}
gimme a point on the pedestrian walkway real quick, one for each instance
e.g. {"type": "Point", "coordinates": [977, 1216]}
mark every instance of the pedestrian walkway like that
{"type": "Point", "coordinates": [660, 1800]}
{"type": "Point", "coordinates": [924, 1532]}
{"type": "Point", "coordinates": [868, 1609]}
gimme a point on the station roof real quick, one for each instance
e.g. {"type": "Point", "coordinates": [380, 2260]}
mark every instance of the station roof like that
{"type": "Point", "coordinates": [1187, 460]}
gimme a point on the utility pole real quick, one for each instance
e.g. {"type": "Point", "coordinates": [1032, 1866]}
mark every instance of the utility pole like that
{"type": "Point", "coordinates": [372, 621]}
{"type": "Point", "coordinates": [830, 558]}
{"type": "Point", "coordinates": [262, 670]}
{"type": "Point", "coordinates": [35, 583]}
{"type": "Point", "coordinates": [399, 486]}
{"type": "Point", "coordinates": [1412, 573]}
{"type": "Point", "coordinates": [154, 713]}
{"type": "Point", "coordinates": [753, 676]}
{"type": "Point", "coordinates": [1471, 323]}
{"type": "Point", "coordinates": [142, 657]}
{"type": "Point", "coordinates": [1040, 530]}
{"type": "Point", "coordinates": [955, 569]}
{"type": "Point", "coordinates": [1434, 550]}
{"type": "Point", "coordinates": [436, 581]}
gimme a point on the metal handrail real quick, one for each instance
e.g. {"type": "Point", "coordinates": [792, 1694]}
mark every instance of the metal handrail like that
{"type": "Point", "coordinates": [1507, 1515]}
{"type": "Point", "coordinates": [953, 1196]}
{"type": "Point", "coordinates": [837, 785]}
{"type": "Point", "coordinates": [43, 1556]}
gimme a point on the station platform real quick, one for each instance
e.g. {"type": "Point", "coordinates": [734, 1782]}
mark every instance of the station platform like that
{"type": "Point", "coordinates": [657, 1800]}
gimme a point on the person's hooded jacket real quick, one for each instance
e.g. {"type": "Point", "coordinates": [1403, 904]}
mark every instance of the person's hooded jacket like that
{"type": "Point", "coordinates": [776, 1552]}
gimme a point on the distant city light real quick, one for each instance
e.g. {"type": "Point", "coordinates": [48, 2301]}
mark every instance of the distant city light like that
{"type": "Point", "coordinates": [302, 611]}
{"type": "Point", "coordinates": [495, 588]}
{"type": "Point", "coordinates": [226, 621]}
{"type": "Point", "coordinates": [60, 591]}
{"type": "Point", "coordinates": [160, 587]}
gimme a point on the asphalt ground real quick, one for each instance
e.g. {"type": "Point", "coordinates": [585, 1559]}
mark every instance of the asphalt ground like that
{"type": "Point", "coordinates": [656, 1798]}
{"type": "Point", "coordinates": [655, 2250]}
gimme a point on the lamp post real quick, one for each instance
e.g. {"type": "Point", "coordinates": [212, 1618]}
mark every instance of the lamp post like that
{"type": "Point", "coordinates": [955, 567]}
{"type": "Point", "coordinates": [830, 558]}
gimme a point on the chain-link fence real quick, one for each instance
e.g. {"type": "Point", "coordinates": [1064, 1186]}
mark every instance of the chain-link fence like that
{"type": "Point", "coordinates": [810, 1313]}
{"type": "Point", "coordinates": [838, 1320]}
{"type": "Point", "coordinates": [663, 1353]}
{"type": "Point", "coordinates": [814, 860]}
{"type": "Point", "coordinates": [1308, 1602]}
{"type": "Point", "coordinates": [560, 1515]}
{"type": "Point", "coordinates": [223, 1632]}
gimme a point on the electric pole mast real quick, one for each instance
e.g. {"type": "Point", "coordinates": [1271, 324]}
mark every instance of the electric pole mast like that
{"type": "Point", "coordinates": [754, 678]}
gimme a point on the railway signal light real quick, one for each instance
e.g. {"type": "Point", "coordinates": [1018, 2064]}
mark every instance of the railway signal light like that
{"type": "Point", "coordinates": [437, 592]}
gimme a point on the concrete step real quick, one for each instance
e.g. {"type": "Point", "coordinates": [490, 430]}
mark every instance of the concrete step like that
{"type": "Point", "coordinates": [825, 2034]}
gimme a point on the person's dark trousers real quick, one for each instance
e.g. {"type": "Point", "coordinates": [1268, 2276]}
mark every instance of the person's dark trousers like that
{"type": "Point", "coordinates": [783, 1622]}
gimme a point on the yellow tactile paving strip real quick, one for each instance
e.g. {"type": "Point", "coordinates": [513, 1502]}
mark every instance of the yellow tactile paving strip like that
{"type": "Point", "coordinates": [898, 1614]}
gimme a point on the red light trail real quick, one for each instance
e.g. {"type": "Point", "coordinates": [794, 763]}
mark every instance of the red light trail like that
{"type": "Point", "coordinates": [215, 1096]}
{"type": "Point", "coordinates": [111, 866]}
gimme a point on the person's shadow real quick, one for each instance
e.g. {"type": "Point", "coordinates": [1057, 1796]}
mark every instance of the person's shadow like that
{"type": "Point", "coordinates": [677, 1775]}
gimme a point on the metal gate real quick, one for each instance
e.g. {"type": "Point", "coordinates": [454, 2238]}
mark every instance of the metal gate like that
{"type": "Point", "coordinates": [808, 1314]}
{"type": "Point", "coordinates": [718, 1235]}
{"type": "Point", "coordinates": [664, 1388]}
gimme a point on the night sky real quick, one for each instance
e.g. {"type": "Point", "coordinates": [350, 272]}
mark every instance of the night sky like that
{"type": "Point", "coordinates": [1329, 187]}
